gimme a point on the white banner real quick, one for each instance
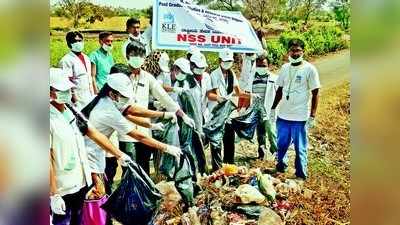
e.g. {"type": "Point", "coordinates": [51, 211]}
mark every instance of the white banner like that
{"type": "Point", "coordinates": [177, 24]}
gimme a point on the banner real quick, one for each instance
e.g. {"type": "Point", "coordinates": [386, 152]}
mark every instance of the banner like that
{"type": "Point", "coordinates": [177, 24]}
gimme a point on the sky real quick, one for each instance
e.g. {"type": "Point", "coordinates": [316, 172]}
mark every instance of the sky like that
{"type": "Point", "coordinates": [131, 4]}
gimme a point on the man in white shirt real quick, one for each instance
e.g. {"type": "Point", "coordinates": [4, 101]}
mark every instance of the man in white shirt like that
{"type": "Point", "coordinates": [264, 86]}
{"type": "Point", "coordinates": [79, 66]}
{"type": "Point", "coordinates": [144, 86]}
{"type": "Point", "coordinates": [297, 80]}
{"type": "Point", "coordinates": [133, 29]}
{"type": "Point", "coordinates": [223, 84]}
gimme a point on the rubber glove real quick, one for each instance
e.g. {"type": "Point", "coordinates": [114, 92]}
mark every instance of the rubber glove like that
{"type": "Point", "coordinates": [272, 116]}
{"type": "Point", "coordinates": [125, 160]}
{"type": "Point", "coordinates": [57, 204]}
{"type": "Point", "coordinates": [170, 115]}
{"type": "Point", "coordinates": [175, 151]}
{"type": "Point", "coordinates": [310, 122]}
{"type": "Point", "coordinates": [157, 126]}
{"type": "Point", "coordinates": [189, 121]}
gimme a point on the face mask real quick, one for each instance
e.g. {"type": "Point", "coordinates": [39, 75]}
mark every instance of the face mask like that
{"type": "Point", "coordinates": [261, 70]}
{"type": "Point", "coordinates": [121, 103]}
{"type": "Point", "coordinates": [63, 97]}
{"type": "Point", "coordinates": [107, 48]}
{"type": "Point", "coordinates": [180, 76]}
{"type": "Point", "coordinates": [198, 71]}
{"type": "Point", "coordinates": [252, 57]}
{"type": "Point", "coordinates": [136, 61]}
{"type": "Point", "coordinates": [294, 61]}
{"type": "Point", "coordinates": [226, 65]}
{"type": "Point", "coordinates": [77, 46]}
{"type": "Point", "coordinates": [134, 37]}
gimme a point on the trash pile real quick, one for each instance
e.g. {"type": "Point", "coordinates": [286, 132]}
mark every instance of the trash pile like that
{"type": "Point", "coordinates": [230, 196]}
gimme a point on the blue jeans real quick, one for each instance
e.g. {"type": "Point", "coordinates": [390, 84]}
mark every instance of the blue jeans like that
{"type": "Point", "coordinates": [295, 131]}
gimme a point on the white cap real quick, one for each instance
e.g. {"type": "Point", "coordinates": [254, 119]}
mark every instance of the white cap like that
{"type": "Point", "coordinates": [199, 59]}
{"type": "Point", "coordinates": [183, 64]}
{"type": "Point", "coordinates": [193, 49]}
{"type": "Point", "coordinates": [163, 62]}
{"type": "Point", "coordinates": [59, 79]}
{"type": "Point", "coordinates": [121, 83]}
{"type": "Point", "coordinates": [226, 55]}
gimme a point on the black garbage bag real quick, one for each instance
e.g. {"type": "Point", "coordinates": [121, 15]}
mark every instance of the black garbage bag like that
{"type": "Point", "coordinates": [246, 125]}
{"type": "Point", "coordinates": [181, 172]}
{"type": "Point", "coordinates": [169, 135]}
{"type": "Point", "coordinates": [214, 128]}
{"type": "Point", "coordinates": [190, 138]}
{"type": "Point", "coordinates": [183, 178]}
{"type": "Point", "coordinates": [135, 199]}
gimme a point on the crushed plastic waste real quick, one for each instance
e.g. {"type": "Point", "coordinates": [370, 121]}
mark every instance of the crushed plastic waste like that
{"type": "Point", "coordinates": [233, 195]}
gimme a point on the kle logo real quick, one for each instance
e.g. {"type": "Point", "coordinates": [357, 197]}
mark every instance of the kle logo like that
{"type": "Point", "coordinates": [168, 24]}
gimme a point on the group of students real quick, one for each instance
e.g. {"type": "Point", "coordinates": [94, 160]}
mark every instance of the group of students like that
{"type": "Point", "coordinates": [93, 102]}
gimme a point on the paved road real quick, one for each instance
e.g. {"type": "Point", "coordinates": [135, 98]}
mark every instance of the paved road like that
{"type": "Point", "coordinates": [334, 69]}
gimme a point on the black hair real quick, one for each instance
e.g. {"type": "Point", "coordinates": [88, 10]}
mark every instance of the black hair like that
{"type": "Point", "coordinates": [102, 93]}
{"type": "Point", "coordinates": [70, 37]}
{"type": "Point", "coordinates": [136, 47]}
{"type": "Point", "coordinates": [121, 68]}
{"type": "Point", "coordinates": [296, 42]}
{"type": "Point", "coordinates": [131, 21]}
{"type": "Point", "coordinates": [262, 57]}
{"type": "Point", "coordinates": [104, 34]}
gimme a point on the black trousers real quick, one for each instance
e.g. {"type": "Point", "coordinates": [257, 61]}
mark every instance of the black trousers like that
{"type": "Point", "coordinates": [229, 149]}
{"type": "Point", "coordinates": [73, 212]}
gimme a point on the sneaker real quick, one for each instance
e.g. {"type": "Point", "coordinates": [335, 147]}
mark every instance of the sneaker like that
{"type": "Point", "coordinates": [261, 152]}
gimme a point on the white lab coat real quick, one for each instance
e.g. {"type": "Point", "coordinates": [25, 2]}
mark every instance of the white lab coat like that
{"type": "Point", "coordinates": [82, 76]}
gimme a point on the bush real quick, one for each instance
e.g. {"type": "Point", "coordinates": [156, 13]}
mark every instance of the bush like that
{"type": "Point", "coordinates": [318, 39]}
{"type": "Point", "coordinates": [276, 52]}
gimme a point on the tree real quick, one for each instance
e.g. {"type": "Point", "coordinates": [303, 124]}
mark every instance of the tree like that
{"type": "Point", "coordinates": [341, 9]}
{"type": "Point", "coordinates": [229, 5]}
{"type": "Point", "coordinates": [302, 9]}
{"type": "Point", "coordinates": [83, 9]}
{"type": "Point", "coordinates": [263, 11]}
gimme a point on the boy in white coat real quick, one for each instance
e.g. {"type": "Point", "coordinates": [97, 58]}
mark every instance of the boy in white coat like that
{"type": "Point", "coordinates": [79, 66]}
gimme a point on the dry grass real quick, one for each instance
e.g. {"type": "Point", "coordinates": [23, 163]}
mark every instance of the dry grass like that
{"type": "Point", "coordinates": [329, 163]}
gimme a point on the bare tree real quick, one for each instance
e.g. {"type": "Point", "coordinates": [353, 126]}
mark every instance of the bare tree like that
{"type": "Point", "coordinates": [263, 11]}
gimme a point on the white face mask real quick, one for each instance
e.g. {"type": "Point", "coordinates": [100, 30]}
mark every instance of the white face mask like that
{"type": "Point", "coordinates": [294, 61]}
{"type": "Point", "coordinates": [107, 48]}
{"type": "Point", "coordinates": [252, 57]}
{"type": "Point", "coordinates": [180, 76]}
{"type": "Point", "coordinates": [198, 71]}
{"type": "Point", "coordinates": [262, 70]}
{"type": "Point", "coordinates": [77, 46]}
{"type": "Point", "coordinates": [134, 37]}
{"type": "Point", "coordinates": [63, 97]}
{"type": "Point", "coordinates": [121, 103]}
{"type": "Point", "coordinates": [136, 61]}
{"type": "Point", "coordinates": [226, 65]}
